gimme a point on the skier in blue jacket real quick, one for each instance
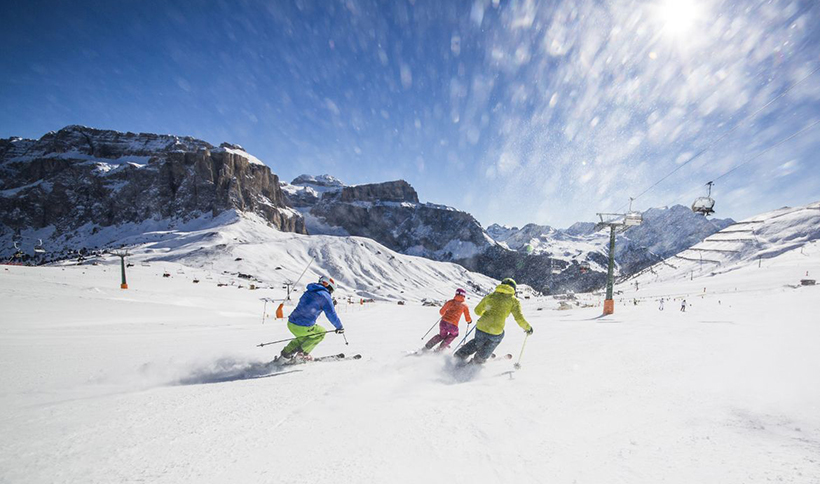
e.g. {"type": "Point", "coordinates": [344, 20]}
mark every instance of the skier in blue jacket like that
{"type": "Point", "coordinates": [302, 321]}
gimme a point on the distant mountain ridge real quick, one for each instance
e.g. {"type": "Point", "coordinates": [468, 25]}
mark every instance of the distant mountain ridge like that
{"type": "Point", "coordinates": [78, 181]}
{"type": "Point", "coordinates": [663, 233]}
{"type": "Point", "coordinates": [546, 258]}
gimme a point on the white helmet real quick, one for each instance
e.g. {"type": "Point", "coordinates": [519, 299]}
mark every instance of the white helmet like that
{"type": "Point", "coordinates": [328, 282]}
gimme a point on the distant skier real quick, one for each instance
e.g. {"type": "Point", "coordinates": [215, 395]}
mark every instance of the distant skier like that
{"type": "Point", "coordinates": [493, 311]}
{"type": "Point", "coordinates": [660, 308]}
{"type": "Point", "coordinates": [450, 315]}
{"type": "Point", "coordinates": [683, 306]}
{"type": "Point", "coordinates": [302, 321]}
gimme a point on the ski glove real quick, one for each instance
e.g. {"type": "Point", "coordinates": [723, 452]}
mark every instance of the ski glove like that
{"type": "Point", "coordinates": [339, 331]}
{"type": "Point", "coordinates": [529, 331]}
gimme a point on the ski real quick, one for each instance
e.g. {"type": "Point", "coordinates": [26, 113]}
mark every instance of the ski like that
{"type": "Point", "coordinates": [420, 352]}
{"type": "Point", "coordinates": [298, 361]}
{"type": "Point", "coordinates": [340, 356]}
{"type": "Point", "coordinates": [423, 352]}
{"type": "Point", "coordinates": [493, 358]}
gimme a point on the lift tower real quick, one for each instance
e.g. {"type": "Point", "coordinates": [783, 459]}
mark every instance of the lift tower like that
{"type": "Point", "coordinates": [617, 223]}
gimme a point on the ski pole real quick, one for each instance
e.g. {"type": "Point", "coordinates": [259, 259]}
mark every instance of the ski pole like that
{"type": "Point", "coordinates": [303, 272]}
{"type": "Point", "coordinates": [517, 365]}
{"type": "Point", "coordinates": [289, 339]}
{"type": "Point", "coordinates": [431, 328]}
{"type": "Point", "coordinates": [464, 339]}
{"type": "Point", "coordinates": [260, 345]}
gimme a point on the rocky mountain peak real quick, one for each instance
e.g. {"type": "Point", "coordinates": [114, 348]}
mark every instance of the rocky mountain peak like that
{"type": "Point", "coordinates": [581, 228]}
{"type": "Point", "coordinates": [319, 181]}
{"type": "Point", "coordinates": [394, 191]}
{"type": "Point", "coordinates": [80, 175]}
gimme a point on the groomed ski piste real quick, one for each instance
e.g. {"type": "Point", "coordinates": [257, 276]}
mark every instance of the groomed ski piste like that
{"type": "Point", "coordinates": [163, 382]}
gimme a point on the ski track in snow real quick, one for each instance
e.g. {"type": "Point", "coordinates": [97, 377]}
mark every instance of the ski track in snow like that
{"type": "Point", "coordinates": [163, 383]}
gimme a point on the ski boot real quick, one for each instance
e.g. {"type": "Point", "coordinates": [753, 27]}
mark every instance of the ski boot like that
{"type": "Point", "coordinates": [284, 358]}
{"type": "Point", "coordinates": [302, 357]}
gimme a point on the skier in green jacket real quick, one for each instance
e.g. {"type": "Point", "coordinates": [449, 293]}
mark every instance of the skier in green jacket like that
{"type": "Point", "coordinates": [493, 311]}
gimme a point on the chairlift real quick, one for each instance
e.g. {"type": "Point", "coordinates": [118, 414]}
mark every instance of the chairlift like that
{"type": "Point", "coordinates": [38, 249]}
{"type": "Point", "coordinates": [18, 252]}
{"type": "Point", "coordinates": [632, 217]}
{"type": "Point", "coordinates": [705, 205]}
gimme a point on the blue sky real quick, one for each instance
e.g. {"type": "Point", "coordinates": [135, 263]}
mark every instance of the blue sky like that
{"type": "Point", "coordinates": [516, 111]}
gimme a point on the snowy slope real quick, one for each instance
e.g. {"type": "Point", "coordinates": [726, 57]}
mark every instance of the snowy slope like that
{"type": "Point", "coordinates": [745, 243]}
{"type": "Point", "coordinates": [237, 242]}
{"type": "Point", "coordinates": [162, 383]}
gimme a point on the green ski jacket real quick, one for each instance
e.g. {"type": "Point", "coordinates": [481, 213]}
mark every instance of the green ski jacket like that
{"type": "Point", "coordinates": [494, 309]}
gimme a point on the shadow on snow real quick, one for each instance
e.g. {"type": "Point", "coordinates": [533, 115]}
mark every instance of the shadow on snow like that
{"type": "Point", "coordinates": [228, 369]}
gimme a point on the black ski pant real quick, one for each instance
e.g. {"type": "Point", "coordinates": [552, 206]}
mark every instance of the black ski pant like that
{"type": "Point", "coordinates": [482, 345]}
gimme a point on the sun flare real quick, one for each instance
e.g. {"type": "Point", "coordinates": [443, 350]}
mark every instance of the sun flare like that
{"type": "Point", "coordinates": [679, 16]}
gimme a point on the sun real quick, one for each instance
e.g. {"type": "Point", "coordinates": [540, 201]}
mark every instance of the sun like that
{"type": "Point", "coordinates": [678, 16]}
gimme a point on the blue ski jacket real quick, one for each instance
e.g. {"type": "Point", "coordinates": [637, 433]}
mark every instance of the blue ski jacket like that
{"type": "Point", "coordinates": [315, 300]}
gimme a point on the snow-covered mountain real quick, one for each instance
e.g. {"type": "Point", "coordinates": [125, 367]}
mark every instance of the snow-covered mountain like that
{"type": "Point", "coordinates": [185, 203]}
{"type": "Point", "coordinates": [81, 188]}
{"type": "Point", "coordinates": [81, 176]}
{"type": "Point", "coordinates": [663, 233]}
{"type": "Point", "coordinates": [236, 248]}
{"type": "Point", "coordinates": [751, 242]}
{"type": "Point", "coordinates": [390, 213]}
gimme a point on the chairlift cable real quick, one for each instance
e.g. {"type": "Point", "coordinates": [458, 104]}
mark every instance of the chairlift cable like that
{"type": "Point", "coordinates": [727, 133]}
{"type": "Point", "coordinates": [770, 148]}
{"type": "Point", "coordinates": [691, 193]}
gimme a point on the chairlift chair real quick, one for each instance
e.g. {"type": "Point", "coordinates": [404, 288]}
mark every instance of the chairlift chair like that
{"type": "Point", "coordinates": [38, 249]}
{"type": "Point", "coordinates": [18, 252]}
{"type": "Point", "coordinates": [632, 217]}
{"type": "Point", "coordinates": [705, 205]}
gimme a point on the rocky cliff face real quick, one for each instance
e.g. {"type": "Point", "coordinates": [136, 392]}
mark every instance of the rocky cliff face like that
{"type": "Point", "coordinates": [80, 175]}
{"type": "Point", "coordinates": [543, 272]}
{"type": "Point", "coordinates": [389, 213]}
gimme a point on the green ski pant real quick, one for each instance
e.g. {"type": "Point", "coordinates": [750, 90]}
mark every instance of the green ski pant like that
{"type": "Point", "coordinates": [307, 337]}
